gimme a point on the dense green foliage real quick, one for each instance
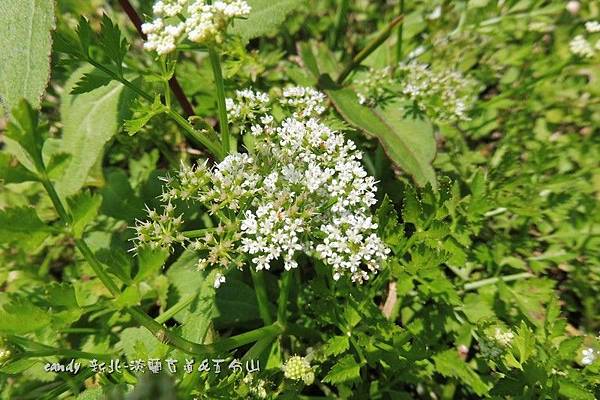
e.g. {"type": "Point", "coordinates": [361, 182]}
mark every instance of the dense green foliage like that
{"type": "Point", "coordinates": [488, 197]}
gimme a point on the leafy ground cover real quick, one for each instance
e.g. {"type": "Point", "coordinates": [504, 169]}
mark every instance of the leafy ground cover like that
{"type": "Point", "coordinates": [299, 199]}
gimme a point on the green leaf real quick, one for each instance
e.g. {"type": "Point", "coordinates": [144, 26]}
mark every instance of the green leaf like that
{"type": "Point", "coordinates": [150, 261]}
{"type": "Point", "coordinates": [347, 369]}
{"type": "Point", "coordinates": [26, 43]}
{"type": "Point", "coordinates": [143, 115]}
{"type": "Point", "coordinates": [19, 318]}
{"type": "Point", "coordinates": [110, 40]}
{"type": "Point", "coordinates": [408, 142]}
{"type": "Point", "coordinates": [84, 208]}
{"type": "Point", "coordinates": [265, 17]}
{"type": "Point", "coordinates": [90, 81]}
{"type": "Point", "coordinates": [449, 364]}
{"type": "Point", "coordinates": [90, 122]}
{"type": "Point", "coordinates": [24, 226]}
{"type": "Point", "coordinates": [139, 343]}
{"type": "Point", "coordinates": [24, 137]}
{"type": "Point", "coordinates": [18, 366]}
{"type": "Point", "coordinates": [573, 391]}
{"type": "Point", "coordinates": [129, 297]}
{"type": "Point", "coordinates": [13, 172]}
{"type": "Point", "coordinates": [336, 345]}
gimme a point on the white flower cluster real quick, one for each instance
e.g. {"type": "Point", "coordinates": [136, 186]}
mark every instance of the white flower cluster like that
{"type": "Point", "coordinates": [503, 338]}
{"type": "Point", "coordinates": [582, 46]}
{"type": "Point", "coordinates": [375, 87]}
{"type": "Point", "coordinates": [205, 22]}
{"type": "Point", "coordinates": [256, 386]}
{"type": "Point", "coordinates": [246, 107]}
{"type": "Point", "coordinates": [443, 95]}
{"type": "Point", "coordinates": [301, 189]}
{"type": "Point", "coordinates": [589, 355]}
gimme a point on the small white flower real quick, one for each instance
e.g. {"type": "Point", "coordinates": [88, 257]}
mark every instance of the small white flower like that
{"type": "Point", "coordinates": [589, 356]}
{"type": "Point", "coordinates": [219, 280]}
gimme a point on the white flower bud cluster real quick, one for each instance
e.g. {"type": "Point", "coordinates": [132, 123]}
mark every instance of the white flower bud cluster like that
{"type": "Point", "coordinates": [203, 23]}
{"type": "Point", "coordinates": [444, 96]}
{"type": "Point", "coordinates": [302, 189]}
{"type": "Point", "coordinates": [162, 230]}
{"type": "Point", "coordinates": [298, 368]}
{"type": "Point", "coordinates": [581, 46]}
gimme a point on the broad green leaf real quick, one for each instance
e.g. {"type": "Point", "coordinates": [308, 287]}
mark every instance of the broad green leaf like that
{"type": "Point", "coordinates": [90, 122]}
{"type": "Point", "coordinates": [129, 297]}
{"type": "Point", "coordinates": [265, 17]}
{"type": "Point", "coordinates": [347, 369]}
{"type": "Point", "coordinates": [449, 364]}
{"type": "Point", "coordinates": [573, 391]}
{"type": "Point", "coordinates": [24, 226]}
{"type": "Point", "coordinates": [84, 208]}
{"type": "Point", "coordinates": [19, 318]}
{"type": "Point", "coordinates": [26, 43]}
{"type": "Point", "coordinates": [408, 142]}
{"type": "Point", "coordinates": [118, 198]}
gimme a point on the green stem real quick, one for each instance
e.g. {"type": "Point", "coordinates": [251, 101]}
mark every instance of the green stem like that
{"type": "Point", "coordinates": [340, 23]}
{"type": "Point", "coordinates": [97, 267]}
{"type": "Point", "coordinates": [171, 312]}
{"type": "Point", "coordinates": [189, 130]}
{"type": "Point", "coordinates": [215, 63]}
{"type": "Point", "coordinates": [371, 46]}
{"type": "Point", "coordinates": [198, 232]}
{"type": "Point", "coordinates": [491, 281]}
{"type": "Point", "coordinates": [262, 298]}
{"type": "Point", "coordinates": [400, 34]}
{"type": "Point", "coordinates": [284, 293]}
{"type": "Point", "coordinates": [196, 136]}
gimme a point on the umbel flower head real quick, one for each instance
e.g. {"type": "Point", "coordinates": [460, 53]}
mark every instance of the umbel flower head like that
{"type": "Point", "coordinates": [298, 369]}
{"type": "Point", "coordinates": [443, 95]}
{"type": "Point", "coordinates": [203, 22]}
{"type": "Point", "coordinates": [301, 188]}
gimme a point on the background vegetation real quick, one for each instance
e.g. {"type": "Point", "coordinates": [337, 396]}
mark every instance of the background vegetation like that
{"type": "Point", "coordinates": [493, 285]}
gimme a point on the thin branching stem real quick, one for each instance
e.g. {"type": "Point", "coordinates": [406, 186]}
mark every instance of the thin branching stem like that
{"type": "Point", "coordinates": [371, 47]}
{"type": "Point", "coordinates": [215, 62]}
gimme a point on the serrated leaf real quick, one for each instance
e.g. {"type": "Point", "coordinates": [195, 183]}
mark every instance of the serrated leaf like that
{"type": "Point", "coordinates": [265, 17]}
{"type": "Point", "coordinates": [19, 318]}
{"type": "Point", "coordinates": [22, 225]}
{"type": "Point", "coordinates": [336, 345]}
{"type": "Point", "coordinates": [90, 121]}
{"type": "Point", "coordinates": [128, 298]}
{"type": "Point", "coordinates": [143, 115]}
{"type": "Point", "coordinates": [347, 369]}
{"type": "Point", "coordinates": [90, 81]}
{"type": "Point", "coordinates": [26, 43]}
{"type": "Point", "coordinates": [150, 261]}
{"type": "Point", "coordinates": [84, 208]}
{"type": "Point", "coordinates": [449, 364]}
{"type": "Point", "coordinates": [110, 40]}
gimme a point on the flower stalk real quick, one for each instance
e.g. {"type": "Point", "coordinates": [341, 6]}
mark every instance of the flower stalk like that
{"type": "Point", "coordinates": [215, 63]}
